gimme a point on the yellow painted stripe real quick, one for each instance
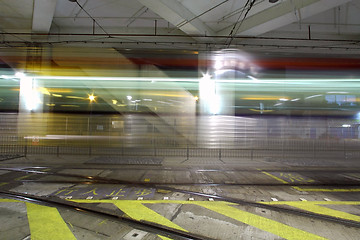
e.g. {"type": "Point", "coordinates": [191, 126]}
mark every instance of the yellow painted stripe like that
{"type": "Point", "coordinates": [138, 211]}
{"type": "Point", "coordinates": [46, 223]}
{"type": "Point", "coordinates": [3, 183]}
{"type": "Point", "coordinates": [279, 179]}
{"type": "Point", "coordinates": [265, 224]}
{"type": "Point", "coordinates": [310, 207]}
{"type": "Point", "coordinates": [142, 201]}
{"type": "Point", "coordinates": [23, 177]}
{"type": "Point", "coordinates": [327, 189]}
{"type": "Point", "coordinates": [314, 202]}
{"type": "Point", "coordinates": [314, 189]}
{"type": "Point", "coordinates": [9, 200]}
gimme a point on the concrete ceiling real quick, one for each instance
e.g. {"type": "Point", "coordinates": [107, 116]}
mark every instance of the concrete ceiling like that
{"type": "Point", "coordinates": [288, 26]}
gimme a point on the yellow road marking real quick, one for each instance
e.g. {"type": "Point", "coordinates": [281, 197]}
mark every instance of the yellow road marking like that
{"type": "Point", "coordinates": [314, 202]}
{"type": "Point", "coordinates": [47, 220]}
{"type": "Point", "coordinates": [46, 223]}
{"type": "Point", "coordinates": [9, 200]}
{"type": "Point", "coordinates": [259, 222]}
{"type": "Point", "coordinates": [70, 224]}
{"type": "Point", "coordinates": [138, 211]}
{"type": "Point", "coordinates": [279, 179]}
{"type": "Point", "coordinates": [314, 189]}
{"type": "Point", "coordinates": [3, 183]}
{"type": "Point", "coordinates": [327, 189]}
{"type": "Point", "coordinates": [313, 206]}
{"type": "Point", "coordinates": [23, 177]}
{"type": "Point", "coordinates": [102, 222]}
{"type": "Point", "coordinates": [326, 211]}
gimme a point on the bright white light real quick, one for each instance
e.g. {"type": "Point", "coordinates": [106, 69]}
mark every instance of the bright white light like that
{"type": "Point", "coordinates": [6, 76]}
{"type": "Point", "coordinates": [208, 96]}
{"type": "Point", "coordinates": [313, 96]}
{"type": "Point", "coordinates": [218, 64]}
{"type": "Point", "coordinates": [147, 99]}
{"type": "Point", "coordinates": [20, 74]}
{"type": "Point", "coordinates": [358, 116]}
{"type": "Point", "coordinates": [206, 76]}
{"type": "Point", "coordinates": [129, 97]}
{"type": "Point", "coordinates": [29, 97]}
{"type": "Point", "coordinates": [295, 99]}
{"type": "Point", "coordinates": [253, 78]}
{"type": "Point", "coordinates": [278, 104]}
{"type": "Point", "coordinates": [91, 98]}
{"type": "Point", "coordinates": [338, 92]}
{"type": "Point", "coordinates": [283, 99]}
{"type": "Point", "coordinates": [346, 125]}
{"type": "Point", "coordinates": [214, 104]}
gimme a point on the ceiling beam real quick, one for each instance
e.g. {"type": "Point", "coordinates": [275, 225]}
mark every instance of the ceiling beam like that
{"type": "Point", "coordinates": [178, 15]}
{"type": "Point", "coordinates": [43, 15]}
{"type": "Point", "coordinates": [281, 14]}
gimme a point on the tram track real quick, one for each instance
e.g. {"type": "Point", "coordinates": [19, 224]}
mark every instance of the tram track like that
{"type": "Point", "coordinates": [168, 187]}
{"type": "Point", "coordinates": [142, 225]}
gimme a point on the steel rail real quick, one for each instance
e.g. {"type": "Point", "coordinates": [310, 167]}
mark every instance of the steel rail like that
{"type": "Point", "coordinates": [142, 225]}
{"type": "Point", "coordinates": [102, 180]}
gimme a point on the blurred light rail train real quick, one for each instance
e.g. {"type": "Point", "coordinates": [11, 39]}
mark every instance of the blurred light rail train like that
{"type": "Point", "coordinates": [245, 96]}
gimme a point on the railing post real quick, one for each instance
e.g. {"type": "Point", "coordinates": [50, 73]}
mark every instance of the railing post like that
{"type": "Point", "coordinates": [187, 152]}
{"type": "Point", "coordinates": [314, 149]}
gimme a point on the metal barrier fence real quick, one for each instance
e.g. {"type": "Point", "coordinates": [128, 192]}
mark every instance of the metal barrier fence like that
{"type": "Point", "coordinates": [220, 137]}
{"type": "Point", "coordinates": [347, 149]}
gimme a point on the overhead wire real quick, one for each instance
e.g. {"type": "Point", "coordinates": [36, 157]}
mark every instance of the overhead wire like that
{"type": "Point", "coordinates": [238, 23]}
{"type": "Point", "coordinates": [210, 9]}
{"type": "Point", "coordinates": [93, 19]}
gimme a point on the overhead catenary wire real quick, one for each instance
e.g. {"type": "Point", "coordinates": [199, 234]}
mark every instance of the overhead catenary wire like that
{"type": "Point", "coordinates": [238, 23]}
{"type": "Point", "coordinates": [94, 20]}
{"type": "Point", "coordinates": [210, 9]}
